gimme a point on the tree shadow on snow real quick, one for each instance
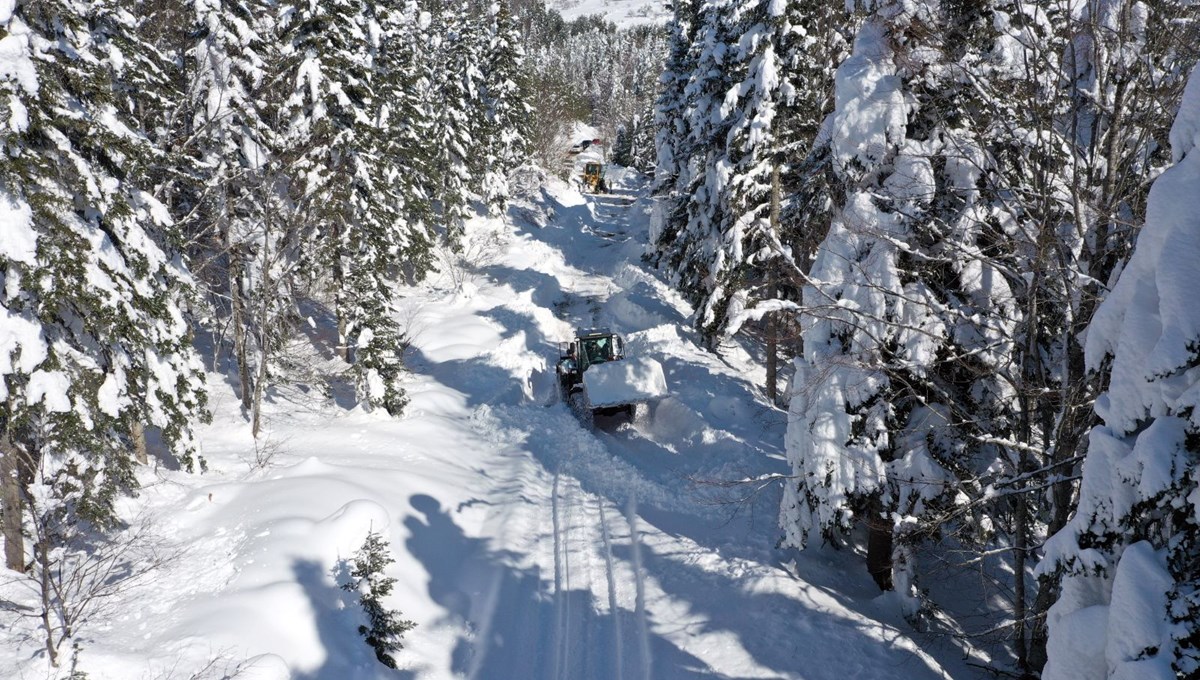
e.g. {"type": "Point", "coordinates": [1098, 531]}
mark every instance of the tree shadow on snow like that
{"type": "Point", "coordinates": [478, 381]}
{"type": "Point", "coordinates": [813, 642]}
{"type": "Point", "coordinates": [572, 231]}
{"type": "Point", "coordinates": [520, 625]}
{"type": "Point", "coordinates": [546, 290]}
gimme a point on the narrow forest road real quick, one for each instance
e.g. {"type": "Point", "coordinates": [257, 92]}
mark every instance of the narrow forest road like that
{"type": "Point", "coordinates": [604, 555]}
{"type": "Point", "coordinates": [527, 547]}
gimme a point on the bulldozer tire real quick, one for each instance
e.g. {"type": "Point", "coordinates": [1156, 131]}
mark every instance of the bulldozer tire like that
{"type": "Point", "coordinates": [582, 410]}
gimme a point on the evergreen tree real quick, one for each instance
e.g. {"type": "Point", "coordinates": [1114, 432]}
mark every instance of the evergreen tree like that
{"type": "Point", "coordinates": [97, 346]}
{"type": "Point", "coordinates": [690, 236]}
{"type": "Point", "coordinates": [405, 129]}
{"type": "Point", "coordinates": [506, 132]}
{"type": "Point", "coordinates": [225, 191]}
{"type": "Point", "coordinates": [343, 182]}
{"type": "Point", "coordinates": [907, 325]}
{"type": "Point", "coordinates": [368, 580]}
{"type": "Point", "coordinates": [671, 125]}
{"type": "Point", "coordinates": [454, 105]}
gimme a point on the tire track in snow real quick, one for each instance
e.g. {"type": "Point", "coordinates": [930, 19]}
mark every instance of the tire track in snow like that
{"type": "Point", "coordinates": [614, 610]}
{"type": "Point", "coordinates": [639, 583]}
{"type": "Point", "coordinates": [560, 607]}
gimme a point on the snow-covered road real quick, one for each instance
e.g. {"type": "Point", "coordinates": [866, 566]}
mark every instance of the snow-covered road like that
{"type": "Point", "coordinates": [527, 547]}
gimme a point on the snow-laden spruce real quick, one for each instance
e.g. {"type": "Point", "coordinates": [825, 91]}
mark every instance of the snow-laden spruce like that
{"type": "Point", "coordinates": [93, 344]}
{"type": "Point", "coordinates": [1130, 603]}
{"type": "Point", "coordinates": [906, 323]}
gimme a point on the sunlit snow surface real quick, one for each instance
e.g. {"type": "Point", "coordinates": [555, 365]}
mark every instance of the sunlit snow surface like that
{"type": "Point", "coordinates": [526, 546]}
{"type": "Point", "coordinates": [623, 13]}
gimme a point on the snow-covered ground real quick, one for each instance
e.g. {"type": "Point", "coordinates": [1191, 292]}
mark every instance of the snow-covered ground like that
{"type": "Point", "coordinates": [527, 547]}
{"type": "Point", "coordinates": [623, 13]}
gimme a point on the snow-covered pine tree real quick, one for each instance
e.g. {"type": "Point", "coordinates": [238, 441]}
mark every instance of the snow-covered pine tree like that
{"type": "Point", "coordinates": [906, 322]}
{"type": "Point", "coordinates": [1130, 602]}
{"type": "Point", "coordinates": [368, 579]}
{"type": "Point", "coordinates": [1072, 166]}
{"type": "Point", "coordinates": [505, 135]}
{"type": "Point", "coordinates": [405, 125]}
{"type": "Point", "coordinates": [747, 246]}
{"type": "Point", "coordinates": [774, 114]}
{"type": "Point", "coordinates": [456, 113]}
{"type": "Point", "coordinates": [1008, 55]}
{"type": "Point", "coordinates": [94, 345]}
{"type": "Point", "coordinates": [689, 238]}
{"type": "Point", "coordinates": [671, 127]}
{"type": "Point", "coordinates": [342, 182]}
{"type": "Point", "coordinates": [636, 141]}
{"type": "Point", "coordinates": [639, 56]}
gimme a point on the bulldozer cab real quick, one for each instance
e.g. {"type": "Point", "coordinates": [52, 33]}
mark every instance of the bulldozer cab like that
{"type": "Point", "coordinates": [593, 177]}
{"type": "Point", "coordinates": [597, 348]}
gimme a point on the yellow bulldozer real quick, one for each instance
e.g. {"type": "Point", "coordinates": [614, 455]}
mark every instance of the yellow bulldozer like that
{"type": "Point", "coordinates": [593, 178]}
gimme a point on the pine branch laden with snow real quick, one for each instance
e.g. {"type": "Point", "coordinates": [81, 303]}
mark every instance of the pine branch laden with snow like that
{"type": "Point", "coordinates": [1130, 599]}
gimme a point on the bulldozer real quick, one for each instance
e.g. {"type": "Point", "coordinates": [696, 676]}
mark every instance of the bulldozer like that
{"type": "Point", "coordinates": [595, 377]}
{"type": "Point", "coordinates": [593, 178]}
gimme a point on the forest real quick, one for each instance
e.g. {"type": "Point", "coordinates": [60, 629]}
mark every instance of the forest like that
{"type": "Point", "coordinates": [958, 237]}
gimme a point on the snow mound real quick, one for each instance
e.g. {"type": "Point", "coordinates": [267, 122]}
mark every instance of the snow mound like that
{"type": "Point", "coordinates": [625, 382]}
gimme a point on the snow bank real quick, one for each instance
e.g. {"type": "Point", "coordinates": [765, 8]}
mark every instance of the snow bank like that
{"type": "Point", "coordinates": [625, 382]}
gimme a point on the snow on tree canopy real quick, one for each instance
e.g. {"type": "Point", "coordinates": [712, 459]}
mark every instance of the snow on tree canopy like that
{"type": "Point", "coordinates": [1131, 551]}
{"type": "Point", "coordinates": [1185, 133]}
{"type": "Point", "coordinates": [871, 110]}
{"type": "Point", "coordinates": [907, 318]}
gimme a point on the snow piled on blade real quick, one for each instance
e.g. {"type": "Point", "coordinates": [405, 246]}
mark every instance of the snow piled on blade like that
{"type": "Point", "coordinates": [625, 382]}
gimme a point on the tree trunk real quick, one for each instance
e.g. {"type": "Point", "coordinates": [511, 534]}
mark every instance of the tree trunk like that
{"type": "Point", "coordinates": [46, 587]}
{"type": "Point", "coordinates": [772, 291]}
{"type": "Point", "coordinates": [11, 505]}
{"type": "Point", "coordinates": [340, 297]}
{"type": "Point", "coordinates": [264, 342]}
{"type": "Point", "coordinates": [879, 548]}
{"type": "Point", "coordinates": [1020, 546]}
{"type": "Point", "coordinates": [238, 321]}
{"type": "Point", "coordinates": [137, 432]}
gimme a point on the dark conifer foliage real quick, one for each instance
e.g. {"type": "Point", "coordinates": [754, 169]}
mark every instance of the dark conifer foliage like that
{"type": "Point", "coordinates": [88, 279]}
{"type": "Point", "coordinates": [386, 627]}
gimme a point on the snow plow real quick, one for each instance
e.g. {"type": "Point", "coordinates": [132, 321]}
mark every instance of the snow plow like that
{"type": "Point", "coordinates": [595, 377]}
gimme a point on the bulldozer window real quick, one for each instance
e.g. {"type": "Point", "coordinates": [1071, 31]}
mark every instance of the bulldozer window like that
{"type": "Point", "coordinates": [598, 350]}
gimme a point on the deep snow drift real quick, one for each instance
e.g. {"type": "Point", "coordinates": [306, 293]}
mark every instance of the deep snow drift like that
{"type": "Point", "coordinates": [526, 546]}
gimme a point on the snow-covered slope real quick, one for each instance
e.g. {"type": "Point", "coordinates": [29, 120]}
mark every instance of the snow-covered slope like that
{"type": "Point", "coordinates": [526, 546]}
{"type": "Point", "coordinates": [623, 13]}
